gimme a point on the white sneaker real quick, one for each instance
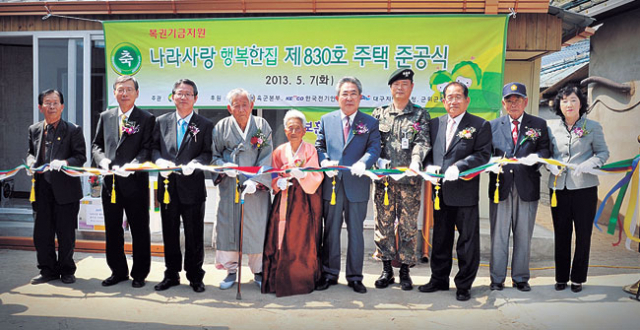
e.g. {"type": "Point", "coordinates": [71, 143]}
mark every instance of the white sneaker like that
{"type": "Point", "coordinates": [228, 281]}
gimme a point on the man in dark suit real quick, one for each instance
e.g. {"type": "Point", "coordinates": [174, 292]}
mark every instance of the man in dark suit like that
{"type": "Point", "coordinates": [346, 137]}
{"type": "Point", "coordinates": [461, 141]}
{"type": "Point", "coordinates": [516, 134]}
{"type": "Point", "coordinates": [182, 138]}
{"type": "Point", "coordinates": [57, 195]}
{"type": "Point", "coordinates": [124, 136]}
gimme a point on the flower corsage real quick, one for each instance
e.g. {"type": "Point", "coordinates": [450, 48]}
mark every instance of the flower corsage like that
{"type": "Point", "coordinates": [194, 130]}
{"type": "Point", "coordinates": [259, 140]}
{"type": "Point", "coordinates": [580, 131]}
{"type": "Point", "coordinates": [361, 128]}
{"type": "Point", "coordinates": [130, 128]}
{"type": "Point", "coordinates": [531, 134]}
{"type": "Point", "coordinates": [467, 133]}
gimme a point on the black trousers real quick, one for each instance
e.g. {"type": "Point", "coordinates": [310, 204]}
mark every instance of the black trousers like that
{"type": "Point", "coordinates": [466, 219]}
{"type": "Point", "coordinates": [51, 220]}
{"type": "Point", "coordinates": [576, 208]}
{"type": "Point", "coordinates": [137, 210]}
{"type": "Point", "coordinates": [193, 223]}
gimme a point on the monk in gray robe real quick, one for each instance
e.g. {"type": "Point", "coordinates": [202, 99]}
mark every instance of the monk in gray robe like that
{"type": "Point", "coordinates": [241, 140]}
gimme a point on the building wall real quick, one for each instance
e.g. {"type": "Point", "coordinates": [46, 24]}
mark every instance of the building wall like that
{"type": "Point", "coordinates": [615, 55]}
{"type": "Point", "coordinates": [16, 108]}
{"type": "Point", "coordinates": [527, 73]}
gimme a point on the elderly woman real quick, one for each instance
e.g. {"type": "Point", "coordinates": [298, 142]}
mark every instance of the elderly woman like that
{"type": "Point", "coordinates": [580, 142]}
{"type": "Point", "coordinates": [290, 262]}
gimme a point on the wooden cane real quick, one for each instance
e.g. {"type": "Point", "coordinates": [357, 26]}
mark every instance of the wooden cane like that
{"type": "Point", "coordinates": [239, 295]}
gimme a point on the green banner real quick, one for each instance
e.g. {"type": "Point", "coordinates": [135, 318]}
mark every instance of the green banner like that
{"type": "Point", "coordinates": [296, 61]}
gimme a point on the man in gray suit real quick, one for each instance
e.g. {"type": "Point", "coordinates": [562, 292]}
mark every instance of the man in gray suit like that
{"type": "Point", "coordinates": [346, 137]}
{"type": "Point", "coordinates": [516, 134]}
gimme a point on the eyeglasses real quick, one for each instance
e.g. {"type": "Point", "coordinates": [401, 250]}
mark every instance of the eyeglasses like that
{"type": "Point", "coordinates": [293, 129]}
{"type": "Point", "coordinates": [451, 98]}
{"type": "Point", "coordinates": [51, 105]}
{"type": "Point", "coordinates": [183, 95]}
{"type": "Point", "coordinates": [123, 90]}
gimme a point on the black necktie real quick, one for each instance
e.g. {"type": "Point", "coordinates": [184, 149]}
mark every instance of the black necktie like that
{"type": "Point", "coordinates": [48, 145]}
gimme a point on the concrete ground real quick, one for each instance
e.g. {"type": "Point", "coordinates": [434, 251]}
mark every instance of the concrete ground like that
{"type": "Point", "coordinates": [88, 305]}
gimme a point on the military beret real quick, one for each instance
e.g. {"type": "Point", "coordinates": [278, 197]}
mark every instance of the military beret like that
{"type": "Point", "coordinates": [401, 74]}
{"type": "Point", "coordinates": [514, 88]}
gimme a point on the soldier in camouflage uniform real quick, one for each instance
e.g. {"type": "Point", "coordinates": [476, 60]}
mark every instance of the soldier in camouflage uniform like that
{"type": "Point", "coordinates": [404, 127]}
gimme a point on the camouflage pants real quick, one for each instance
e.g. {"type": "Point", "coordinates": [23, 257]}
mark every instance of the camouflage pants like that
{"type": "Point", "coordinates": [404, 204]}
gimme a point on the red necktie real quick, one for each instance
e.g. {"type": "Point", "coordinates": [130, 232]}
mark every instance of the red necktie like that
{"type": "Point", "coordinates": [346, 130]}
{"type": "Point", "coordinates": [514, 133]}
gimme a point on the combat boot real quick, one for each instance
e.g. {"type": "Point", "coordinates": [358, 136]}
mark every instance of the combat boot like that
{"type": "Point", "coordinates": [405, 279]}
{"type": "Point", "coordinates": [386, 277]}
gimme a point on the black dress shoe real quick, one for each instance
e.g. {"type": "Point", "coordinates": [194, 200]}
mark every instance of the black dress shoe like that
{"type": "Point", "coordinates": [496, 286]}
{"type": "Point", "coordinates": [463, 295]}
{"type": "Point", "coordinates": [68, 279]}
{"type": "Point", "coordinates": [44, 279]}
{"type": "Point", "coordinates": [576, 287]}
{"type": "Point", "coordinates": [357, 286]}
{"type": "Point", "coordinates": [197, 286]}
{"type": "Point", "coordinates": [325, 282]}
{"type": "Point", "coordinates": [166, 283]}
{"type": "Point", "coordinates": [433, 287]}
{"type": "Point", "coordinates": [424, 260]}
{"type": "Point", "coordinates": [137, 283]}
{"type": "Point", "coordinates": [561, 286]}
{"type": "Point", "coordinates": [522, 286]}
{"type": "Point", "coordinates": [113, 280]}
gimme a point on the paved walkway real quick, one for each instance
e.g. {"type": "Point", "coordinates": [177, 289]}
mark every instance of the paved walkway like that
{"type": "Point", "coordinates": [88, 305]}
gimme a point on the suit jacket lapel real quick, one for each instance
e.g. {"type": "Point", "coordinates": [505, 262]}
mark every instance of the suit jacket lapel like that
{"type": "Point", "coordinates": [456, 138]}
{"type": "Point", "coordinates": [38, 143]}
{"type": "Point", "coordinates": [523, 124]}
{"type": "Point", "coordinates": [170, 134]}
{"type": "Point", "coordinates": [505, 130]}
{"type": "Point", "coordinates": [187, 134]}
{"type": "Point", "coordinates": [441, 136]}
{"type": "Point", "coordinates": [353, 125]}
{"type": "Point", "coordinates": [60, 132]}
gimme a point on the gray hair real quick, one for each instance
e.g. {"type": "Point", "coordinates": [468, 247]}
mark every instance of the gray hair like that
{"type": "Point", "coordinates": [124, 79]}
{"type": "Point", "coordinates": [238, 92]}
{"type": "Point", "coordinates": [348, 79]}
{"type": "Point", "coordinates": [293, 113]}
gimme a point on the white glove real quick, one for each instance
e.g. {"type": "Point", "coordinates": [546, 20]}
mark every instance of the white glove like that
{"type": "Point", "coordinates": [553, 169]}
{"type": "Point", "coordinates": [104, 163]}
{"type": "Point", "coordinates": [431, 179]}
{"type": "Point", "coordinates": [30, 161]}
{"type": "Point", "coordinates": [189, 168]}
{"type": "Point", "coordinates": [383, 163]}
{"type": "Point", "coordinates": [120, 171]}
{"type": "Point", "coordinates": [415, 167]}
{"type": "Point", "coordinates": [249, 187]}
{"type": "Point", "coordinates": [452, 173]}
{"type": "Point", "coordinates": [329, 163]}
{"type": "Point", "coordinates": [433, 169]}
{"type": "Point", "coordinates": [582, 168]}
{"type": "Point", "coordinates": [495, 168]}
{"type": "Point", "coordinates": [296, 173]}
{"type": "Point", "coordinates": [230, 173]}
{"type": "Point", "coordinates": [530, 159]}
{"type": "Point", "coordinates": [57, 164]}
{"type": "Point", "coordinates": [282, 183]}
{"type": "Point", "coordinates": [163, 163]}
{"type": "Point", "coordinates": [358, 168]}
